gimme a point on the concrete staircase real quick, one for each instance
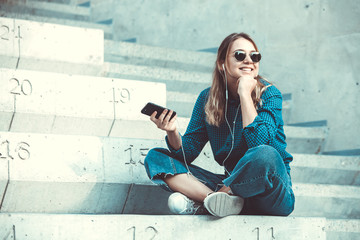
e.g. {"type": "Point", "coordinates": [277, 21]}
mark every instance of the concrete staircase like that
{"type": "Point", "coordinates": [73, 141]}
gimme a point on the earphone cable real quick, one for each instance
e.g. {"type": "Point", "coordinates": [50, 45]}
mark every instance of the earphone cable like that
{"type": "Point", "coordinates": [183, 152]}
{"type": "Point", "coordinates": [232, 132]}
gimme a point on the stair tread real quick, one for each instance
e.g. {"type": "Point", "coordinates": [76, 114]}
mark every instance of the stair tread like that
{"type": "Point", "coordinates": [162, 227]}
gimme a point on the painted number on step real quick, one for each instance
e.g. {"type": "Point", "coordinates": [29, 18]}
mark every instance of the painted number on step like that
{"type": "Point", "coordinates": [22, 150]}
{"type": "Point", "coordinates": [121, 95]}
{"type": "Point", "coordinates": [4, 32]}
{"type": "Point", "coordinates": [150, 233]}
{"type": "Point", "coordinates": [269, 233]}
{"type": "Point", "coordinates": [23, 87]}
{"type": "Point", "coordinates": [124, 95]}
{"type": "Point", "coordinates": [143, 153]}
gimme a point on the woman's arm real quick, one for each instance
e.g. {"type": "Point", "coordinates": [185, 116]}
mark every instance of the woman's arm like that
{"type": "Point", "coordinates": [245, 87]}
{"type": "Point", "coordinates": [260, 125]}
{"type": "Point", "coordinates": [174, 139]}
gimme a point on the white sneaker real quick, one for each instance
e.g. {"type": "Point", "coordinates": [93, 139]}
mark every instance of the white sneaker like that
{"type": "Point", "coordinates": [180, 204]}
{"type": "Point", "coordinates": [221, 204]}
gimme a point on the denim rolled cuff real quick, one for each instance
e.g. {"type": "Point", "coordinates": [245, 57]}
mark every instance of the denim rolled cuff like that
{"type": "Point", "coordinates": [159, 163]}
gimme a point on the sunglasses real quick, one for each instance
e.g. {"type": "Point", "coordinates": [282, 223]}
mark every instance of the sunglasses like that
{"type": "Point", "coordinates": [241, 55]}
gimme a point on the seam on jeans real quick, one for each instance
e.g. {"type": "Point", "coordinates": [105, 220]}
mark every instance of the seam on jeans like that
{"type": "Point", "coordinates": [173, 165]}
{"type": "Point", "coordinates": [252, 179]}
{"type": "Point", "coordinates": [274, 173]}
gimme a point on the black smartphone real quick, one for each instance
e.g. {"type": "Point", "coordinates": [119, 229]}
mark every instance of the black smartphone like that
{"type": "Point", "coordinates": [152, 107]}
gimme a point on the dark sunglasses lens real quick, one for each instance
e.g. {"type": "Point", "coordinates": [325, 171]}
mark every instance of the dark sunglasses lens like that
{"type": "Point", "coordinates": [240, 55]}
{"type": "Point", "coordinates": [255, 57]}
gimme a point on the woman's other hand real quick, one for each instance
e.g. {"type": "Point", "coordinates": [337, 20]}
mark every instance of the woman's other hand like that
{"type": "Point", "coordinates": [164, 123]}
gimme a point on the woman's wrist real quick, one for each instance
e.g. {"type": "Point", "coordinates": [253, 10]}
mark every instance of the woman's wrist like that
{"type": "Point", "coordinates": [171, 131]}
{"type": "Point", "coordinates": [244, 95]}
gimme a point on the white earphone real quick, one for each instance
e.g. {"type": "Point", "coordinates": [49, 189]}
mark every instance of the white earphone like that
{"type": "Point", "coordinates": [226, 93]}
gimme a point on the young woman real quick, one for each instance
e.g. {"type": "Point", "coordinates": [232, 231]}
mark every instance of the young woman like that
{"type": "Point", "coordinates": [240, 115]}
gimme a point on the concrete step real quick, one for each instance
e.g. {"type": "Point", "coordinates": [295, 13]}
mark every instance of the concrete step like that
{"type": "Point", "coordinates": [137, 54]}
{"type": "Point", "coordinates": [103, 11]}
{"type": "Point", "coordinates": [107, 29]}
{"type": "Point", "coordinates": [58, 226]}
{"type": "Point", "coordinates": [70, 2]}
{"type": "Point", "coordinates": [72, 104]}
{"type": "Point", "coordinates": [47, 9]}
{"type": "Point", "coordinates": [176, 80]}
{"type": "Point", "coordinates": [330, 201]}
{"type": "Point", "coordinates": [34, 45]}
{"type": "Point", "coordinates": [106, 175]}
{"type": "Point", "coordinates": [66, 2]}
{"type": "Point", "coordinates": [348, 229]}
{"type": "Point", "coordinates": [326, 169]}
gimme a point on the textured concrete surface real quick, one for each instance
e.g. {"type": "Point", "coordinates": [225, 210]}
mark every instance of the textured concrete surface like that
{"type": "Point", "coordinates": [72, 104]}
{"type": "Point", "coordinates": [342, 170]}
{"type": "Point", "coordinates": [52, 46]}
{"type": "Point", "coordinates": [107, 29]}
{"type": "Point", "coordinates": [137, 54]}
{"type": "Point", "coordinates": [69, 174]}
{"type": "Point", "coordinates": [101, 10]}
{"type": "Point", "coordinates": [330, 201]}
{"type": "Point", "coordinates": [158, 227]}
{"type": "Point", "coordinates": [172, 76]}
{"type": "Point", "coordinates": [47, 9]}
{"type": "Point", "coordinates": [342, 229]}
{"type": "Point", "coordinates": [4, 175]}
{"type": "Point", "coordinates": [59, 174]}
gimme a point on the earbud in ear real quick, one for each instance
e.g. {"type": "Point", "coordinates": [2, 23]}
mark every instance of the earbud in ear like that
{"type": "Point", "coordinates": [223, 66]}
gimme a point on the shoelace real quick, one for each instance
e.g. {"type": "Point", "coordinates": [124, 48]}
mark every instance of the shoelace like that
{"type": "Point", "coordinates": [192, 207]}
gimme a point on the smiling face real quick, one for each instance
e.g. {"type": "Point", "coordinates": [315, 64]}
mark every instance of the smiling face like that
{"type": "Point", "coordinates": [236, 69]}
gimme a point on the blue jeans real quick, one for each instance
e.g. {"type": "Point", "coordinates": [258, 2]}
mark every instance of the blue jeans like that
{"type": "Point", "coordinates": [260, 177]}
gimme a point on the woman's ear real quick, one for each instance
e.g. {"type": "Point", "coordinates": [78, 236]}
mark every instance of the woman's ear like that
{"type": "Point", "coordinates": [221, 67]}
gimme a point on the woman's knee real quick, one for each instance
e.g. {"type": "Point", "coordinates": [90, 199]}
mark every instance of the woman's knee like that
{"type": "Point", "coordinates": [265, 156]}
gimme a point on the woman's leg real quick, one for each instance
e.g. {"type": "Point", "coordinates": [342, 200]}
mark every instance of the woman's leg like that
{"type": "Point", "coordinates": [172, 175]}
{"type": "Point", "coordinates": [188, 185]}
{"type": "Point", "coordinates": [260, 177]}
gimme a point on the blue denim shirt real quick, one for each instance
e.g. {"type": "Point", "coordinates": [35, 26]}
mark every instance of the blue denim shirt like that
{"type": "Point", "coordinates": [266, 129]}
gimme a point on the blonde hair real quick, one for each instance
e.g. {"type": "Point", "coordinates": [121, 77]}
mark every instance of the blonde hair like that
{"type": "Point", "coordinates": [215, 105]}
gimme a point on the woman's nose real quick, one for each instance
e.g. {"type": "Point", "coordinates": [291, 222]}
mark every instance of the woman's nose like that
{"type": "Point", "coordinates": [247, 59]}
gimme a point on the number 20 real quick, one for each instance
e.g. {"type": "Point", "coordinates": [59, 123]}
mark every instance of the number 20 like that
{"type": "Point", "coordinates": [21, 88]}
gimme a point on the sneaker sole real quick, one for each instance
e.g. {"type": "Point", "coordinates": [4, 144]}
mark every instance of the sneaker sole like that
{"type": "Point", "coordinates": [222, 204]}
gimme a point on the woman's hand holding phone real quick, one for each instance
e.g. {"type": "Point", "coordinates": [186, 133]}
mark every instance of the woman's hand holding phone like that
{"type": "Point", "coordinates": [164, 122]}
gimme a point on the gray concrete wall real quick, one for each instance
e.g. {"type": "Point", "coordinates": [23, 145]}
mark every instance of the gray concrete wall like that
{"type": "Point", "coordinates": [310, 48]}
